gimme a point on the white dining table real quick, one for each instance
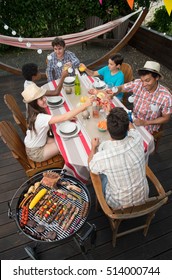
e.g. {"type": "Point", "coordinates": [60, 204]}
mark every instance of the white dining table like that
{"type": "Point", "coordinates": [75, 150]}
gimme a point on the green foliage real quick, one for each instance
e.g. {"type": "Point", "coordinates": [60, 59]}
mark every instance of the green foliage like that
{"type": "Point", "coordinates": [37, 18]}
{"type": "Point", "coordinates": [161, 22]}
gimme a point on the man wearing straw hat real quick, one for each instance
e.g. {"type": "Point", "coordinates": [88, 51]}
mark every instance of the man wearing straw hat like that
{"type": "Point", "coordinates": [152, 102]}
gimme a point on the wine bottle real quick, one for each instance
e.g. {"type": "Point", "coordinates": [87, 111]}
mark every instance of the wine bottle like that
{"type": "Point", "coordinates": [77, 86]}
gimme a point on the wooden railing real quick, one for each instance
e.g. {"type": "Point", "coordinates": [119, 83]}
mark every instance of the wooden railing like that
{"type": "Point", "coordinates": [15, 71]}
{"type": "Point", "coordinates": [154, 44]}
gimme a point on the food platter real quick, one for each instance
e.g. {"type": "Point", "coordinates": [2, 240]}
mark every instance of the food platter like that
{"type": "Point", "coordinates": [68, 129]}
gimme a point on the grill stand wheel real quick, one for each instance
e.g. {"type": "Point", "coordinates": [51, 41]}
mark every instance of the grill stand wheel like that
{"type": "Point", "coordinates": [86, 239]}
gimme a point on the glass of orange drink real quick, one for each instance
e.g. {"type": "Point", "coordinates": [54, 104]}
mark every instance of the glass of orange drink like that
{"type": "Point", "coordinates": [82, 67]}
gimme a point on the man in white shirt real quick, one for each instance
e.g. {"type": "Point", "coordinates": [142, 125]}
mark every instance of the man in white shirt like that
{"type": "Point", "coordinates": [121, 162]}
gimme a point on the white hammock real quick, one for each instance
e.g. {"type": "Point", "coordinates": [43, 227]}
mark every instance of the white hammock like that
{"type": "Point", "coordinates": [70, 39]}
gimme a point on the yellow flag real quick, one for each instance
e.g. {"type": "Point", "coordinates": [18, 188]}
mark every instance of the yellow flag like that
{"type": "Point", "coordinates": [168, 5]}
{"type": "Point", "coordinates": [130, 3]}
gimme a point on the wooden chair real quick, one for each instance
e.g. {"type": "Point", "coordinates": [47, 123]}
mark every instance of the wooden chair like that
{"type": "Point", "coordinates": [17, 113]}
{"type": "Point", "coordinates": [11, 138]}
{"type": "Point", "coordinates": [93, 21]}
{"type": "Point", "coordinates": [128, 72]}
{"type": "Point", "coordinates": [116, 216]}
{"type": "Point", "coordinates": [128, 77]}
{"type": "Point", "coordinates": [157, 136]}
{"type": "Point", "coordinates": [120, 31]}
{"type": "Point", "coordinates": [90, 22]}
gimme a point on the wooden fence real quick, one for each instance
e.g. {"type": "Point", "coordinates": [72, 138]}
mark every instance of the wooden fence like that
{"type": "Point", "coordinates": [156, 45]}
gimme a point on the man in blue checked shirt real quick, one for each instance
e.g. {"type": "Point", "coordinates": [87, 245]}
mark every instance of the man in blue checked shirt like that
{"type": "Point", "coordinates": [59, 59]}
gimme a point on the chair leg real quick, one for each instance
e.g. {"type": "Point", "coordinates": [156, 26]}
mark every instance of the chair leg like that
{"type": "Point", "coordinates": [156, 141]}
{"type": "Point", "coordinates": [114, 226]}
{"type": "Point", "coordinates": [157, 136]}
{"type": "Point", "coordinates": [148, 221]}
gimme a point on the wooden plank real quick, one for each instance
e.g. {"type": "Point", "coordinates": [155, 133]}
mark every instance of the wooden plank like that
{"type": "Point", "coordinates": [160, 230]}
{"type": "Point", "coordinates": [12, 241]}
{"type": "Point", "coordinates": [150, 43]}
{"type": "Point", "coordinates": [13, 176]}
{"type": "Point", "coordinates": [16, 253]}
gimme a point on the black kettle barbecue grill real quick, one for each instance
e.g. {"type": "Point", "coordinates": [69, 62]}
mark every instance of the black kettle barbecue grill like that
{"type": "Point", "coordinates": [60, 214]}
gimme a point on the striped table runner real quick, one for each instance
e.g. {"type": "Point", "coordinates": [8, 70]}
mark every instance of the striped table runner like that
{"type": "Point", "coordinates": [74, 150]}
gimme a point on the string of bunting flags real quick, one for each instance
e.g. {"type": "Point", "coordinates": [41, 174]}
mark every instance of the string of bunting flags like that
{"type": "Point", "coordinates": [167, 3]}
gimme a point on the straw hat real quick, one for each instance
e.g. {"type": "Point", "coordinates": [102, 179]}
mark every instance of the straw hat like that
{"type": "Point", "coordinates": [152, 66]}
{"type": "Point", "coordinates": [32, 92]}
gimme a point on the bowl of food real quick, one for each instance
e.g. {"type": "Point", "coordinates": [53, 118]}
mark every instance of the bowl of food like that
{"type": "Point", "coordinates": [83, 99]}
{"type": "Point", "coordinates": [92, 91]}
{"type": "Point", "coordinates": [101, 95]}
{"type": "Point", "coordinates": [69, 80]}
{"type": "Point", "coordinates": [102, 125]}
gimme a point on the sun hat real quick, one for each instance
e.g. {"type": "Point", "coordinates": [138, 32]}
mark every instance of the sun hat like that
{"type": "Point", "coordinates": [32, 92]}
{"type": "Point", "coordinates": [152, 66]}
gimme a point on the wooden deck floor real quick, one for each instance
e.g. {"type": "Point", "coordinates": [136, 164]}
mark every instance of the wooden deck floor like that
{"type": "Point", "coordinates": [157, 244]}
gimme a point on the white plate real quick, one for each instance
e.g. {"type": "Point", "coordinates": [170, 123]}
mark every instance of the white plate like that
{"type": "Point", "coordinates": [54, 105]}
{"type": "Point", "coordinates": [68, 135]}
{"type": "Point", "coordinates": [99, 85]}
{"type": "Point", "coordinates": [54, 99]}
{"type": "Point", "coordinates": [67, 127]}
{"type": "Point", "coordinates": [68, 85]}
{"type": "Point", "coordinates": [69, 80]}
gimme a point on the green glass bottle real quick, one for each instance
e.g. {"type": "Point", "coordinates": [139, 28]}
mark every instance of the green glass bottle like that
{"type": "Point", "coordinates": [77, 85]}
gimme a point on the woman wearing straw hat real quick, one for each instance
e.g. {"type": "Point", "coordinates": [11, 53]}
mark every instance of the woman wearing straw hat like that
{"type": "Point", "coordinates": [152, 102]}
{"type": "Point", "coordinates": [39, 146]}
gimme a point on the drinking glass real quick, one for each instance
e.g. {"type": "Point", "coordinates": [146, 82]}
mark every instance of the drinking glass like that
{"type": "Point", "coordinates": [110, 85]}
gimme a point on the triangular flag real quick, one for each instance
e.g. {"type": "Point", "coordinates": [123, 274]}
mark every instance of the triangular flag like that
{"type": "Point", "coordinates": [130, 3]}
{"type": "Point", "coordinates": [168, 5]}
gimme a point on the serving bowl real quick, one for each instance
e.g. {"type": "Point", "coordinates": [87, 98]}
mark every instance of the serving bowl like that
{"type": "Point", "coordinates": [102, 126]}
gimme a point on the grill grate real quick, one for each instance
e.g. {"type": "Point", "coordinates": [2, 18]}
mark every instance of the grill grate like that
{"type": "Point", "coordinates": [54, 225]}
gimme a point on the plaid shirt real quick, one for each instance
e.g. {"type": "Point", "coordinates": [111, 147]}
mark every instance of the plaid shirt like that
{"type": "Point", "coordinates": [123, 162]}
{"type": "Point", "coordinates": [160, 101]}
{"type": "Point", "coordinates": [53, 67]}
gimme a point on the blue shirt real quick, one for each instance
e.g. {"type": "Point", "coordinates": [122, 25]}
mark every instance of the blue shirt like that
{"type": "Point", "coordinates": [116, 79]}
